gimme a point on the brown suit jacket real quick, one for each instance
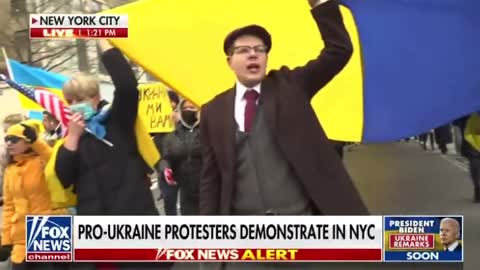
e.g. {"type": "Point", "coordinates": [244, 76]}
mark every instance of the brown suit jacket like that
{"type": "Point", "coordinates": [286, 96]}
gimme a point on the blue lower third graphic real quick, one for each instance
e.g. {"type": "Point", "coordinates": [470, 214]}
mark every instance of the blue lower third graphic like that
{"type": "Point", "coordinates": [49, 239]}
{"type": "Point", "coordinates": [423, 238]}
{"type": "Point", "coordinates": [423, 256]}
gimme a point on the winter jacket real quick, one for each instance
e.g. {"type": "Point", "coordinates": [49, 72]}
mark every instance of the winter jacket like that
{"type": "Point", "coordinates": [110, 180]}
{"type": "Point", "coordinates": [181, 152]}
{"type": "Point", "coordinates": [25, 193]}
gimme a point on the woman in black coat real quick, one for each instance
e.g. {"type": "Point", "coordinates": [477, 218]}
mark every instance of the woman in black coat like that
{"type": "Point", "coordinates": [182, 159]}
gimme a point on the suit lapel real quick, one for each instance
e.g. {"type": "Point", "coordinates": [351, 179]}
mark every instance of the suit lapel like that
{"type": "Point", "coordinates": [227, 128]}
{"type": "Point", "coordinates": [268, 99]}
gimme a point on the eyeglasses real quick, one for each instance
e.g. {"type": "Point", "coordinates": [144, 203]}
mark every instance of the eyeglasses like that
{"type": "Point", "coordinates": [12, 139]}
{"type": "Point", "coordinates": [248, 49]}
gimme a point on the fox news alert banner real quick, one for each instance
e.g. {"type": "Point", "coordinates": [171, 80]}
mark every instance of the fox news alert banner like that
{"type": "Point", "coordinates": [423, 238]}
{"type": "Point", "coordinates": [57, 26]}
{"type": "Point", "coordinates": [205, 238]}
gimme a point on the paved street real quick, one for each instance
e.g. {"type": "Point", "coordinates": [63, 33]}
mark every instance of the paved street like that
{"type": "Point", "coordinates": [401, 178]}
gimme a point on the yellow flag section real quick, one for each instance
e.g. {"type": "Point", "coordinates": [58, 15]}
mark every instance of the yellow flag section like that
{"type": "Point", "coordinates": [61, 197]}
{"type": "Point", "coordinates": [154, 108]}
{"type": "Point", "coordinates": [180, 43]}
{"type": "Point", "coordinates": [471, 131]}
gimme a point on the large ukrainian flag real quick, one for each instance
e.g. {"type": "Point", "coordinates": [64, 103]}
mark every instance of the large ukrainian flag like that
{"type": "Point", "coordinates": [415, 64]}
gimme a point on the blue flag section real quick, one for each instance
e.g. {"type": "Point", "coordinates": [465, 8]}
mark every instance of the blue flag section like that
{"type": "Point", "coordinates": [37, 115]}
{"type": "Point", "coordinates": [421, 60]}
{"type": "Point", "coordinates": [423, 238]}
{"type": "Point", "coordinates": [36, 76]}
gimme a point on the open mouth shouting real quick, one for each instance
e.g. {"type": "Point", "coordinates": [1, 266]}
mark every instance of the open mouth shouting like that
{"type": "Point", "coordinates": [253, 68]}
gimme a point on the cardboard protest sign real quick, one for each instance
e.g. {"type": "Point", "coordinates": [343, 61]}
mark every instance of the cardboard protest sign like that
{"type": "Point", "coordinates": [154, 108]}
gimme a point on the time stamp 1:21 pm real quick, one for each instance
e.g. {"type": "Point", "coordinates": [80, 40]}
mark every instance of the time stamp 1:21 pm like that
{"type": "Point", "coordinates": [98, 32]}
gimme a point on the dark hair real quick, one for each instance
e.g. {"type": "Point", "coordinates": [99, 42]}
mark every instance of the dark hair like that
{"type": "Point", "coordinates": [50, 116]}
{"type": "Point", "coordinates": [173, 96]}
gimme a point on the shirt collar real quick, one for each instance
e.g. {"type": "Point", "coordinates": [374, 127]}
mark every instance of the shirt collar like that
{"type": "Point", "coordinates": [241, 89]}
{"type": "Point", "coordinates": [453, 246]}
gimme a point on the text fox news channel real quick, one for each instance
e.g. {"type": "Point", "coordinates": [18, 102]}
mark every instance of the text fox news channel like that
{"type": "Point", "coordinates": [244, 239]}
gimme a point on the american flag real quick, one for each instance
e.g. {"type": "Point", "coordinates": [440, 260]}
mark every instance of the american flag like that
{"type": "Point", "coordinates": [48, 100]}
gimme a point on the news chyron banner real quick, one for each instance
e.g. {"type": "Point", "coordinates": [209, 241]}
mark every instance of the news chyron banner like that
{"type": "Point", "coordinates": [204, 239]}
{"type": "Point", "coordinates": [423, 238]}
{"type": "Point", "coordinates": [244, 238]}
{"type": "Point", "coordinates": [58, 26]}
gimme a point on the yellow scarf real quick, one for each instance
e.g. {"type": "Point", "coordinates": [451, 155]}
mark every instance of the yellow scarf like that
{"type": "Point", "coordinates": [64, 197]}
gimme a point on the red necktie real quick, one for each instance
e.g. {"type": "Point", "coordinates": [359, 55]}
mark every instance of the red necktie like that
{"type": "Point", "coordinates": [251, 96]}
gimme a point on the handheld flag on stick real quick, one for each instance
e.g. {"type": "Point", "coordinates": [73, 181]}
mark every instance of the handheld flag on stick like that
{"type": "Point", "coordinates": [49, 101]}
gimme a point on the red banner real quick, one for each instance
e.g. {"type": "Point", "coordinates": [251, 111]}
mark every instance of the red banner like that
{"type": "Point", "coordinates": [273, 255]}
{"type": "Point", "coordinates": [55, 33]}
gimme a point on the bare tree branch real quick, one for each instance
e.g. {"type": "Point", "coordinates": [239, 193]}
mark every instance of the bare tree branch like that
{"type": "Point", "coordinates": [62, 62]}
{"type": "Point", "coordinates": [41, 5]}
{"type": "Point", "coordinates": [53, 55]}
{"type": "Point", "coordinates": [50, 62]}
{"type": "Point", "coordinates": [59, 7]}
{"type": "Point", "coordinates": [37, 51]}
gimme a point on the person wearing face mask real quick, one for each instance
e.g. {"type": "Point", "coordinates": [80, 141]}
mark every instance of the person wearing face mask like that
{"type": "Point", "coordinates": [110, 144]}
{"type": "Point", "coordinates": [25, 190]}
{"type": "Point", "coordinates": [182, 158]}
{"type": "Point", "coordinates": [168, 191]}
{"type": "Point", "coordinates": [107, 154]}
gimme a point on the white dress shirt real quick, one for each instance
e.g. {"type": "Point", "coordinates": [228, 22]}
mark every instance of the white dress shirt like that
{"type": "Point", "coordinates": [241, 103]}
{"type": "Point", "coordinates": [453, 246]}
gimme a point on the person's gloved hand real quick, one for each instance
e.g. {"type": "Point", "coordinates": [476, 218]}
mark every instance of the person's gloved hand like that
{"type": "Point", "coordinates": [168, 174]}
{"type": "Point", "coordinates": [29, 133]}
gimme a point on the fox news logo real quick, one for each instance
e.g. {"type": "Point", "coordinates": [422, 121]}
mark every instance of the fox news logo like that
{"type": "Point", "coordinates": [49, 238]}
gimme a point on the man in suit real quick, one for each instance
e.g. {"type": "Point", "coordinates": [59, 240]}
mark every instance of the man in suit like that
{"type": "Point", "coordinates": [264, 151]}
{"type": "Point", "coordinates": [449, 233]}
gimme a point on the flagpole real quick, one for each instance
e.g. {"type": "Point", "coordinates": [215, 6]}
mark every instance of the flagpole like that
{"type": "Point", "coordinates": [9, 68]}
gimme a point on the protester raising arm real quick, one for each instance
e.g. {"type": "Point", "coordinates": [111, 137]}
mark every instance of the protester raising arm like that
{"type": "Point", "coordinates": [336, 53]}
{"type": "Point", "coordinates": [123, 111]}
{"type": "Point", "coordinates": [125, 99]}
